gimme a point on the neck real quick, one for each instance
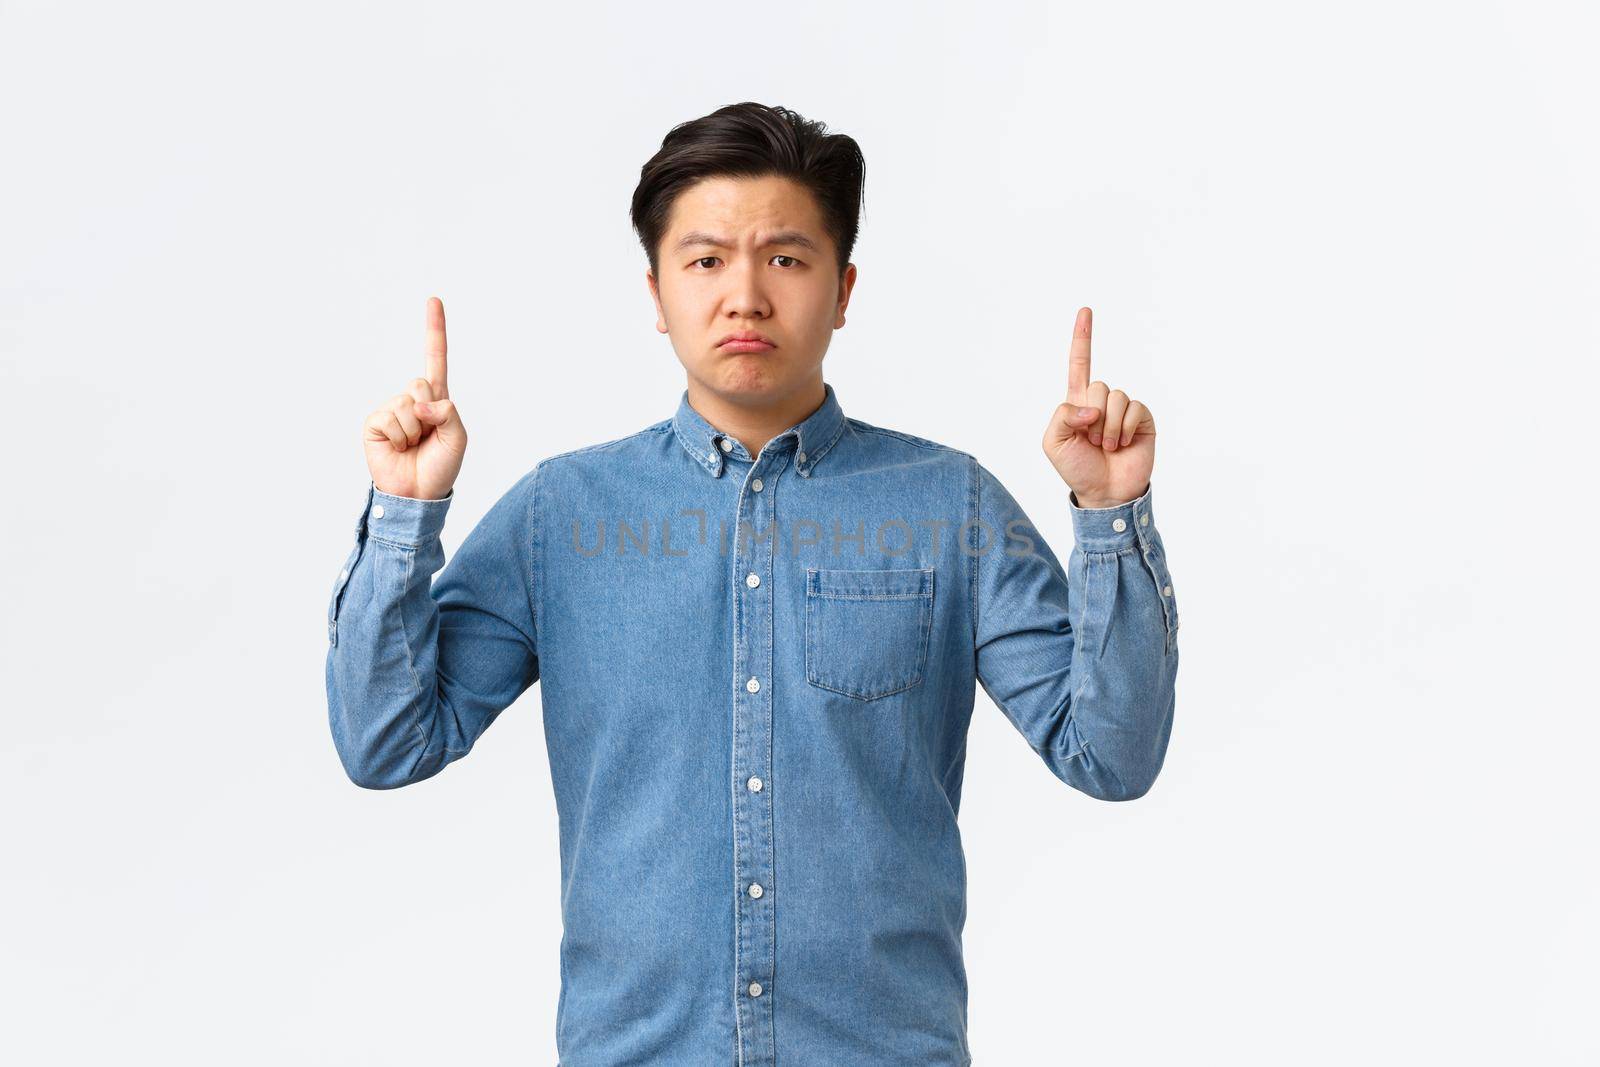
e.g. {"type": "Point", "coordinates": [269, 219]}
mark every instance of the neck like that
{"type": "Point", "coordinates": [755, 423]}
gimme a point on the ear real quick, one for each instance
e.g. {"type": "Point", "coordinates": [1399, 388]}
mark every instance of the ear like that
{"type": "Point", "coordinates": [655, 296]}
{"type": "Point", "coordinates": [847, 282]}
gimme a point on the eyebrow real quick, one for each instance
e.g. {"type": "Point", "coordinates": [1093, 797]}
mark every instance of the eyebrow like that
{"type": "Point", "coordinates": [785, 237]}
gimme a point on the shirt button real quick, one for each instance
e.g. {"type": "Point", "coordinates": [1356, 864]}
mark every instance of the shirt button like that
{"type": "Point", "coordinates": [755, 484]}
{"type": "Point", "coordinates": [755, 989]}
{"type": "Point", "coordinates": [1119, 525]}
{"type": "Point", "coordinates": [725, 444]}
{"type": "Point", "coordinates": [755, 783]}
{"type": "Point", "coordinates": [752, 579]}
{"type": "Point", "coordinates": [377, 511]}
{"type": "Point", "coordinates": [800, 457]}
{"type": "Point", "coordinates": [1167, 591]}
{"type": "Point", "coordinates": [755, 889]}
{"type": "Point", "coordinates": [752, 684]}
{"type": "Point", "coordinates": [1144, 520]}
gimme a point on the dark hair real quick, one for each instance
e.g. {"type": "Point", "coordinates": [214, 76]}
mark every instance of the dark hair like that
{"type": "Point", "coordinates": [751, 140]}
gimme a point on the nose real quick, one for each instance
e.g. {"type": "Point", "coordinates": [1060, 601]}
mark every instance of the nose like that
{"type": "Point", "coordinates": [746, 296]}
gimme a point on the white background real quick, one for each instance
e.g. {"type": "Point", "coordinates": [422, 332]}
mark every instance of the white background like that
{"type": "Point", "coordinates": [1347, 255]}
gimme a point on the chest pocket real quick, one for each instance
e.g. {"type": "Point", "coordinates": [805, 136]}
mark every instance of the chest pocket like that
{"type": "Point", "coordinates": [867, 631]}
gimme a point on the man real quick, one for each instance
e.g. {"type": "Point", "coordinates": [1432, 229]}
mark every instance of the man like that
{"type": "Point", "coordinates": [759, 625]}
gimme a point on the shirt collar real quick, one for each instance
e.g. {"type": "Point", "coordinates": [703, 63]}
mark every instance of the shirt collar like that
{"type": "Point", "coordinates": [814, 436]}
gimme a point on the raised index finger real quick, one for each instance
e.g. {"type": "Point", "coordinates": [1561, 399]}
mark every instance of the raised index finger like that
{"type": "Point", "coordinates": [437, 370]}
{"type": "Point", "coordinates": [1078, 360]}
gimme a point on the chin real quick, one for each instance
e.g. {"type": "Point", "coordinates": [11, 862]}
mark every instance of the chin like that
{"type": "Point", "coordinates": [751, 376]}
{"type": "Point", "coordinates": [754, 383]}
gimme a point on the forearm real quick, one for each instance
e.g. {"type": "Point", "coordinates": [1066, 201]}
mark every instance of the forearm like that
{"type": "Point", "coordinates": [1125, 655]}
{"type": "Point", "coordinates": [383, 701]}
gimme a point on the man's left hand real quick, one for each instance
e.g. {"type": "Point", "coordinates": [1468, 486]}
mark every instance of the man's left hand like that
{"type": "Point", "coordinates": [1106, 455]}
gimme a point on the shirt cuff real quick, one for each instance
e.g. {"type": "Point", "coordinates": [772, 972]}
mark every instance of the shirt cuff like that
{"type": "Point", "coordinates": [1111, 529]}
{"type": "Point", "coordinates": [404, 520]}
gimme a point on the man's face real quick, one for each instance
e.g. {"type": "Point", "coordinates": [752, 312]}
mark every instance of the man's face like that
{"type": "Point", "coordinates": [735, 259]}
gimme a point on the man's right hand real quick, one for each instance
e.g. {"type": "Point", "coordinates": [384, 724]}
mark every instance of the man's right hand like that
{"type": "Point", "coordinates": [415, 442]}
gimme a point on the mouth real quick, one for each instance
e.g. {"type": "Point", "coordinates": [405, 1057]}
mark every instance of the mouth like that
{"type": "Point", "coordinates": [746, 341]}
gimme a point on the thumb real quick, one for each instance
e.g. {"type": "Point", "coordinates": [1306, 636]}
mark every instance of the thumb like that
{"type": "Point", "coordinates": [1075, 416]}
{"type": "Point", "coordinates": [445, 419]}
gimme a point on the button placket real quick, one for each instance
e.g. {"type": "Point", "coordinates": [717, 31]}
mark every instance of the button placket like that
{"type": "Point", "coordinates": [338, 588]}
{"type": "Point", "coordinates": [1147, 552]}
{"type": "Point", "coordinates": [753, 845]}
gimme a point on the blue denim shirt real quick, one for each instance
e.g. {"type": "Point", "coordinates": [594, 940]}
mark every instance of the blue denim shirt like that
{"type": "Point", "coordinates": [757, 674]}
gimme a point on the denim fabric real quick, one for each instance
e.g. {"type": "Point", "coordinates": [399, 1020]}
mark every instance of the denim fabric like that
{"type": "Point", "coordinates": [757, 674]}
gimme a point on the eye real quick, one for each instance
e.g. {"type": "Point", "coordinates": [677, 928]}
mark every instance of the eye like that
{"type": "Point", "coordinates": [793, 262]}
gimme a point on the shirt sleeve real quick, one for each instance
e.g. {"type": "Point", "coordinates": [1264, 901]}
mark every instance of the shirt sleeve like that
{"type": "Point", "coordinates": [418, 668]}
{"type": "Point", "coordinates": [1084, 659]}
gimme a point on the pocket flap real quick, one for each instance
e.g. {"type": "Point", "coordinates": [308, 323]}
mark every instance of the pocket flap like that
{"type": "Point", "coordinates": [870, 585]}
